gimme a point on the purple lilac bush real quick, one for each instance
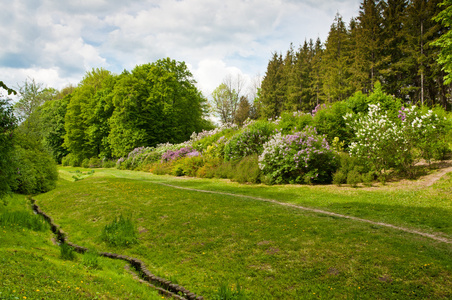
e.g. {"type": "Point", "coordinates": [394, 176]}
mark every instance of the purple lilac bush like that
{"type": "Point", "coordinates": [171, 155]}
{"type": "Point", "coordinates": [301, 157]}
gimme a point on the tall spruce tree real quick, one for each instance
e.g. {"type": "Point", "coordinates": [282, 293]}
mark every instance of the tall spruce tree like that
{"type": "Point", "coordinates": [272, 93]}
{"type": "Point", "coordinates": [393, 41]}
{"type": "Point", "coordinates": [335, 62]}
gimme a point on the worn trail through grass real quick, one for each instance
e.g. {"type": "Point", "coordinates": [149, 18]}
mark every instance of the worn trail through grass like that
{"type": "Point", "coordinates": [319, 211]}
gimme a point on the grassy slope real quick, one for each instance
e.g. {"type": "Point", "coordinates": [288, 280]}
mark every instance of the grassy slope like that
{"type": "Point", "coordinates": [31, 268]}
{"type": "Point", "coordinates": [202, 240]}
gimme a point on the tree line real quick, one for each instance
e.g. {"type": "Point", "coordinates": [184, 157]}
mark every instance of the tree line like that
{"type": "Point", "coordinates": [394, 42]}
{"type": "Point", "coordinates": [104, 117]}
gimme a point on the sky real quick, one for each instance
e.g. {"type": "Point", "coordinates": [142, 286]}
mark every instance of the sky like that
{"type": "Point", "coordinates": [55, 42]}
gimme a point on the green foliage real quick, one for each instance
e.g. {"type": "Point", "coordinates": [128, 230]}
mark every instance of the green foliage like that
{"type": "Point", "coordinates": [67, 252]}
{"type": "Point", "coordinates": [339, 177]}
{"type": "Point", "coordinates": [52, 114]}
{"type": "Point", "coordinates": [151, 105]}
{"type": "Point", "coordinates": [71, 160]}
{"type": "Point", "coordinates": [85, 163]}
{"type": "Point", "coordinates": [94, 162]}
{"type": "Point", "coordinates": [90, 260]}
{"type": "Point", "coordinates": [290, 121]}
{"type": "Point", "coordinates": [36, 170]}
{"type": "Point", "coordinates": [187, 166]}
{"type": "Point", "coordinates": [248, 141]}
{"type": "Point", "coordinates": [330, 122]}
{"type": "Point", "coordinates": [225, 292]}
{"type": "Point", "coordinates": [23, 219]}
{"type": "Point", "coordinates": [444, 57]}
{"type": "Point", "coordinates": [354, 177]}
{"type": "Point", "coordinates": [8, 123]}
{"type": "Point", "coordinates": [88, 112]}
{"type": "Point", "coordinates": [247, 170]}
{"type": "Point", "coordinates": [121, 232]}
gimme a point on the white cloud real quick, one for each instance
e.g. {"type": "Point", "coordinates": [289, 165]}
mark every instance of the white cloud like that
{"type": "Point", "coordinates": [61, 40]}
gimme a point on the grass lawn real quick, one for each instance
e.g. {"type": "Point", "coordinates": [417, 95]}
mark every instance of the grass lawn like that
{"type": "Point", "coordinates": [31, 267]}
{"type": "Point", "coordinates": [203, 240]}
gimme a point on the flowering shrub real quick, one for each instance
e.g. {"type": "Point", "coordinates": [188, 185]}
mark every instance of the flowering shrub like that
{"type": "Point", "coordinates": [249, 141]}
{"type": "Point", "coordinates": [377, 139]}
{"type": "Point", "coordinates": [171, 155]}
{"type": "Point", "coordinates": [381, 143]}
{"type": "Point", "coordinates": [302, 157]}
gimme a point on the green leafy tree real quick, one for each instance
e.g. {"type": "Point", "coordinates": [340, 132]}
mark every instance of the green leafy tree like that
{"type": "Point", "coordinates": [223, 103]}
{"type": "Point", "coordinates": [155, 103]}
{"type": "Point", "coordinates": [88, 111]}
{"type": "Point", "coordinates": [52, 115]}
{"type": "Point", "coordinates": [445, 43]}
{"type": "Point", "coordinates": [8, 123]}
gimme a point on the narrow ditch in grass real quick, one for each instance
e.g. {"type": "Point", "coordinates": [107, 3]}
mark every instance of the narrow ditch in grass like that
{"type": "Point", "coordinates": [140, 270]}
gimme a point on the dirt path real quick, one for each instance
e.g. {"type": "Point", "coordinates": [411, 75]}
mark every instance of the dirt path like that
{"type": "Point", "coordinates": [425, 181]}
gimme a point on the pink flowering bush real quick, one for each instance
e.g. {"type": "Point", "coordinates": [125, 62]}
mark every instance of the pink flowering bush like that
{"type": "Point", "coordinates": [301, 157]}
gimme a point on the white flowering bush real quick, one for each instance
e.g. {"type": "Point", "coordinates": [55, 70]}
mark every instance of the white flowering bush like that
{"type": "Point", "coordinates": [382, 143]}
{"type": "Point", "coordinates": [378, 139]}
{"type": "Point", "coordinates": [301, 157]}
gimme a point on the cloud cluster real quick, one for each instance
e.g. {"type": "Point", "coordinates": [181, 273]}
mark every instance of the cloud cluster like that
{"type": "Point", "coordinates": [56, 42]}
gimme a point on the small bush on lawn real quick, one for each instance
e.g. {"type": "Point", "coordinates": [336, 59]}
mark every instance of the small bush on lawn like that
{"type": "Point", "coordinates": [91, 260]}
{"type": "Point", "coordinates": [224, 292]}
{"type": "Point", "coordinates": [120, 232]}
{"type": "Point", "coordinates": [95, 162]}
{"type": "Point", "coordinates": [71, 160]}
{"type": "Point", "coordinates": [354, 177]}
{"type": "Point", "coordinates": [302, 157]}
{"type": "Point", "coordinates": [67, 252]}
{"type": "Point", "coordinates": [85, 163]}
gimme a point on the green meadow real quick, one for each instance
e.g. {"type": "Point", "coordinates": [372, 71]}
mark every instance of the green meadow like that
{"type": "Point", "coordinates": [232, 236]}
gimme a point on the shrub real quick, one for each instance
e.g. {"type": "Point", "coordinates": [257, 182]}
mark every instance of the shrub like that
{"type": "Point", "coordinates": [381, 143]}
{"type": "Point", "coordinates": [249, 141]}
{"type": "Point", "coordinates": [188, 166]}
{"type": "Point", "coordinates": [290, 121]}
{"type": "Point", "coordinates": [226, 293]}
{"type": "Point", "coordinates": [91, 260]}
{"type": "Point", "coordinates": [296, 158]}
{"type": "Point", "coordinates": [94, 162]}
{"type": "Point", "coordinates": [36, 173]}
{"type": "Point", "coordinates": [354, 177]}
{"type": "Point", "coordinates": [120, 232]}
{"type": "Point", "coordinates": [247, 170]}
{"type": "Point", "coordinates": [108, 163]}
{"type": "Point", "coordinates": [171, 155]}
{"type": "Point", "coordinates": [85, 163]}
{"type": "Point", "coordinates": [71, 160]}
{"type": "Point", "coordinates": [330, 121]}
{"type": "Point", "coordinates": [67, 252]}
{"type": "Point", "coordinates": [339, 177]}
